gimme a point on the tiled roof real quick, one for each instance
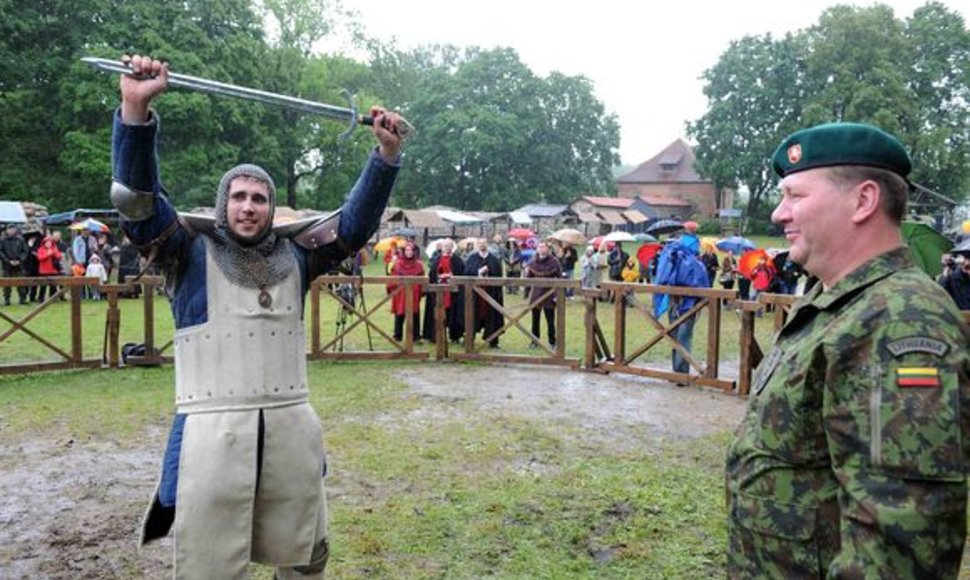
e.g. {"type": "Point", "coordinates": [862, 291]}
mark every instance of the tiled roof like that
{"type": "Point", "coordinates": [619, 202]}
{"type": "Point", "coordinates": [675, 164]}
{"type": "Point", "coordinates": [635, 217]}
{"type": "Point", "coordinates": [423, 219]}
{"type": "Point", "coordinates": [614, 218]}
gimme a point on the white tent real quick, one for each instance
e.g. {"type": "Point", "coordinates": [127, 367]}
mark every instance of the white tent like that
{"type": "Point", "coordinates": [12, 212]}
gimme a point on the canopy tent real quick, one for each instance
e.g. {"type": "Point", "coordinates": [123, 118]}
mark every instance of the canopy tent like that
{"type": "Point", "coordinates": [69, 217]}
{"type": "Point", "coordinates": [11, 212]}
{"type": "Point", "coordinates": [457, 217]}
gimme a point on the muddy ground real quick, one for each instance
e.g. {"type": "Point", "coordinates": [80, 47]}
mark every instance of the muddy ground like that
{"type": "Point", "coordinates": [71, 509]}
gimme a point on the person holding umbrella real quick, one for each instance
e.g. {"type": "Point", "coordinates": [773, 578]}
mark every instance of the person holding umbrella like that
{"type": "Point", "coordinates": [543, 265]}
{"type": "Point", "coordinates": [852, 458]}
{"type": "Point", "coordinates": [409, 264]}
{"type": "Point", "coordinates": [689, 239]}
{"type": "Point", "coordinates": [13, 257]}
{"type": "Point", "coordinates": [513, 262]}
{"type": "Point", "coordinates": [568, 261]}
{"type": "Point", "coordinates": [48, 257]}
{"type": "Point", "coordinates": [957, 282]}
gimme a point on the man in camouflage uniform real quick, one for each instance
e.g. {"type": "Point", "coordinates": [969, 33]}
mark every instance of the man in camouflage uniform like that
{"type": "Point", "coordinates": [849, 461]}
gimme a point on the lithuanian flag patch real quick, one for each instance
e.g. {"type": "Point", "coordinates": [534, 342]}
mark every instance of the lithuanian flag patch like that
{"type": "Point", "coordinates": [910, 377]}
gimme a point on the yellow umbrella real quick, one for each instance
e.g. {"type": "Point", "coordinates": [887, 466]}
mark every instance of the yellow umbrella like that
{"type": "Point", "coordinates": [385, 244]}
{"type": "Point", "coordinates": [709, 243]}
{"type": "Point", "coordinates": [464, 243]}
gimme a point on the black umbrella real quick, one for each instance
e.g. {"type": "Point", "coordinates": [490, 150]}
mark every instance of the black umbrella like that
{"type": "Point", "coordinates": [664, 227]}
{"type": "Point", "coordinates": [962, 248]}
{"type": "Point", "coordinates": [405, 232]}
{"type": "Point", "coordinates": [779, 260]}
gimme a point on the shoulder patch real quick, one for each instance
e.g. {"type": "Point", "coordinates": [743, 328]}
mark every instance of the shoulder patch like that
{"type": "Point", "coordinates": [917, 344]}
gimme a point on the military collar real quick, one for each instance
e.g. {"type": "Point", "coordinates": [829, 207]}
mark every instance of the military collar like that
{"type": "Point", "coordinates": [872, 271]}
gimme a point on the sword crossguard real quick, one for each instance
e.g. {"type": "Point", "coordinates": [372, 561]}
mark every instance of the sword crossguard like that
{"type": "Point", "coordinates": [354, 118]}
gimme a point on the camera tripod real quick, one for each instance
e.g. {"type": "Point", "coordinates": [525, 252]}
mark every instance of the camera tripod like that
{"type": "Point", "coordinates": [348, 292]}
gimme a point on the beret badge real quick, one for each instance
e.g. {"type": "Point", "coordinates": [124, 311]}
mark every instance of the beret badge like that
{"type": "Point", "coordinates": [795, 153]}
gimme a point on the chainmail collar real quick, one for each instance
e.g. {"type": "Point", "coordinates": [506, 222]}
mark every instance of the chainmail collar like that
{"type": "Point", "coordinates": [259, 263]}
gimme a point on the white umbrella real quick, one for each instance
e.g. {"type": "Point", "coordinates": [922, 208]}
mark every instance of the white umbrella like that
{"type": "Point", "coordinates": [430, 250]}
{"type": "Point", "coordinates": [569, 236]}
{"type": "Point", "coordinates": [619, 236]}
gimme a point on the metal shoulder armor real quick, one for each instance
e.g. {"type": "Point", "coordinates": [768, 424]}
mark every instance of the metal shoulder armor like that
{"type": "Point", "coordinates": [312, 233]}
{"type": "Point", "coordinates": [133, 205]}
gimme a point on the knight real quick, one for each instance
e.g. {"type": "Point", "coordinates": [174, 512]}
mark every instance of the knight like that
{"type": "Point", "coordinates": [242, 476]}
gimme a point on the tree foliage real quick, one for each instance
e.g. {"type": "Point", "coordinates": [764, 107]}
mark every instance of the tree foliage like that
{"type": "Point", "coordinates": [493, 135]}
{"type": "Point", "coordinates": [909, 77]}
{"type": "Point", "coordinates": [755, 92]}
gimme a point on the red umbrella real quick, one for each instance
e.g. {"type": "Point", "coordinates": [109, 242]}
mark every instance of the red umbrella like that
{"type": "Point", "coordinates": [750, 259]}
{"type": "Point", "coordinates": [521, 233]}
{"type": "Point", "coordinates": [648, 252]}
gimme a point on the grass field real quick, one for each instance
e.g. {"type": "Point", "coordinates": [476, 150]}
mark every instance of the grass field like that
{"type": "Point", "coordinates": [467, 495]}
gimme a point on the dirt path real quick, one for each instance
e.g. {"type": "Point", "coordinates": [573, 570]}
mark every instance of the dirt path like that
{"type": "Point", "coordinates": [71, 509]}
{"type": "Point", "coordinates": [603, 405]}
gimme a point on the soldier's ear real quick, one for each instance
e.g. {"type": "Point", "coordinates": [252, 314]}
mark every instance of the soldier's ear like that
{"type": "Point", "coordinates": [866, 196]}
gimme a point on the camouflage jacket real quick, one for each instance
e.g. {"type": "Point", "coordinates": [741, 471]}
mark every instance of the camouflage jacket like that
{"type": "Point", "coordinates": [849, 461]}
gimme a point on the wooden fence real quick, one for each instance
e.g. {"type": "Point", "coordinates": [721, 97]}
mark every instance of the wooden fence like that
{"type": "Point", "coordinates": [65, 359]}
{"type": "Point", "coordinates": [600, 353]}
{"type": "Point", "coordinates": [708, 300]}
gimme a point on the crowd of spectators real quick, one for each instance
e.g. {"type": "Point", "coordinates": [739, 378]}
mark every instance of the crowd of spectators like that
{"type": "Point", "coordinates": [45, 254]}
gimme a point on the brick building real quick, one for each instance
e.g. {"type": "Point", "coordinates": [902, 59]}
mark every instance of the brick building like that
{"type": "Point", "coordinates": [668, 179]}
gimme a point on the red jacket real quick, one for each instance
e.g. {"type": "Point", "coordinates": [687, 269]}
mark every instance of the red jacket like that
{"type": "Point", "coordinates": [405, 267]}
{"type": "Point", "coordinates": [47, 258]}
{"type": "Point", "coordinates": [761, 278]}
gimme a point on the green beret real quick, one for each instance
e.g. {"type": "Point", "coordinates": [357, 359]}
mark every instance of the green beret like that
{"type": "Point", "coordinates": [840, 144]}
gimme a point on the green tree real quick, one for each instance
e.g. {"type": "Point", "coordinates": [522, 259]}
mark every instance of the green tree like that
{"type": "Point", "coordinates": [939, 77]}
{"type": "Point", "coordinates": [755, 94]}
{"type": "Point", "coordinates": [315, 164]}
{"type": "Point", "coordinates": [852, 69]}
{"type": "Point", "coordinates": [855, 64]}
{"type": "Point", "coordinates": [57, 110]}
{"type": "Point", "coordinates": [493, 135]}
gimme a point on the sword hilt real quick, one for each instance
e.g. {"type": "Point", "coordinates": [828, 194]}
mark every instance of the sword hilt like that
{"type": "Point", "coordinates": [404, 127]}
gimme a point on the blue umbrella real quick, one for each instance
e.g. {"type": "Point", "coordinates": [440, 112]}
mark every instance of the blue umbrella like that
{"type": "Point", "coordinates": [664, 227]}
{"type": "Point", "coordinates": [406, 232]}
{"type": "Point", "coordinates": [735, 245]}
{"type": "Point", "coordinates": [644, 238]}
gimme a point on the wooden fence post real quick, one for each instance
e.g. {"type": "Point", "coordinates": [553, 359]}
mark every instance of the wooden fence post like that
{"type": "Point", "coordinates": [589, 323]}
{"type": "Point", "coordinates": [469, 318]}
{"type": "Point", "coordinates": [408, 317]}
{"type": "Point", "coordinates": [751, 354]}
{"type": "Point", "coordinates": [560, 323]}
{"type": "Point", "coordinates": [440, 328]}
{"type": "Point", "coordinates": [77, 353]}
{"type": "Point", "coordinates": [713, 337]}
{"type": "Point", "coordinates": [113, 322]}
{"type": "Point", "coordinates": [315, 316]}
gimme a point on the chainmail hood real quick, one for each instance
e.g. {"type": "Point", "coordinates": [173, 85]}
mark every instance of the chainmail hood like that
{"type": "Point", "coordinates": [256, 262]}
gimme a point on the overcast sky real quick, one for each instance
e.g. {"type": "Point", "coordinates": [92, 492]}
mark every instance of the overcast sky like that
{"type": "Point", "coordinates": [645, 58]}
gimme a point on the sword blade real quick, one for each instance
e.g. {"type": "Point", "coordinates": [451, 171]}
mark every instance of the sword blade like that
{"type": "Point", "coordinates": [184, 81]}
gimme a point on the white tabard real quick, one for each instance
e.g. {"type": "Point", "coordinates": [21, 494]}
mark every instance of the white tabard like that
{"type": "Point", "coordinates": [244, 360]}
